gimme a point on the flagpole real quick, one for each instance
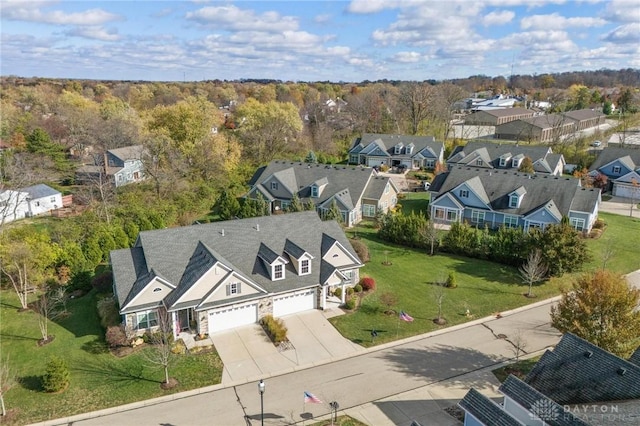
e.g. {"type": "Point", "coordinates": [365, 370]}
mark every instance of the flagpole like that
{"type": "Point", "coordinates": [398, 326]}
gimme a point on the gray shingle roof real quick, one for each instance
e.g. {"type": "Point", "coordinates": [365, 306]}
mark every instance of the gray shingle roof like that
{"type": "Point", "coordinates": [180, 255]}
{"type": "Point", "coordinates": [491, 153]}
{"type": "Point", "coordinates": [387, 142]}
{"type": "Point", "coordinates": [583, 114]}
{"type": "Point", "coordinates": [376, 186]}
{"type": "Point", "coordinates": [300, 176]}
{"type": "Point", "coordinates": [528, 397]}
{"type": "Point", "coordinates": [577, 371]}
{"type": "Point", "coordinates": [133, 152]}
{"type": "Point", "coordinates": [485, 410]}
{"type": "Point", "coordinates": [609, 154]}
{"type": "Point", "coordinates": [39, 191]}
{"type": "Point", "coordinates": [540, 190]}
{"type": "Point", "coordinates": [635, 357]}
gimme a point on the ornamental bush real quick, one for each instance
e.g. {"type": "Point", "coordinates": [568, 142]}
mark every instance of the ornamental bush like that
{"type": "Point", "coordinates": [338, 292]}
{"type": "Point", "coordinates": [115, 336]}
{"type": "Point", "coordinates": [275, 328]}
{"type": "Point", "coordinates": [361, 250]}
{"type": "Point", "coordinates": [367, 283]}
{"type": "Point", "coordinates": [357, 288]}
{"type": "Point", "coordinates": [56, 377]}
{"type": "Point", "coordinates": [451, 280]}
{"type": "Point", "coordinates": [350, 303]}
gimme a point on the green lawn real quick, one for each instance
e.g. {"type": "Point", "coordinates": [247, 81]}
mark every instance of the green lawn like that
{"type": "Point", "coordinates": [621, 238]}
{"type": "Point", "coordinates": [98, 379]}
{"type": "Point", "coordinates": [416, 202]}
{"type": "Point", "coordinates": [520, 369]}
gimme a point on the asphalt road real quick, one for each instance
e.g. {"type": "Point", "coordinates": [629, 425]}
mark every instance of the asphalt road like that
{"type": "Point", "coordinates": [391, 370]}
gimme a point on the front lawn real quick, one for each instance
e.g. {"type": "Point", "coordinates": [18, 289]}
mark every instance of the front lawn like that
{"type": "Point", "coordinates": [98, 379]}
{"type": "Point", "coordinates": [484, 288]}
{"type": "Point", "coordinates": [617, 246]}
{"type": "Point", "coordinates": [519, 369]}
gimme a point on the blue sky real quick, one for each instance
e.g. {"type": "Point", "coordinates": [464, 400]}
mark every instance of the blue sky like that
{"type": "Point", "coordinates": [315, 40]}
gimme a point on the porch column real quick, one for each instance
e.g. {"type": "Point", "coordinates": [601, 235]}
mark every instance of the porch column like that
{"type": "Point", "coordinates": [174, 321]}
{"type": "Point", "coordinates": [343, 293]}
{"type": "Point", "coordinates": [323, 297]}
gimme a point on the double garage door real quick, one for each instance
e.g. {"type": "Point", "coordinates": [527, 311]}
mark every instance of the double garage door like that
{"type": "Point", "coordinates": [292, 303]}
{"type": "Point", "coordinates": [625, 191]}
{"type": "Point", "coordinates": [228, 318]}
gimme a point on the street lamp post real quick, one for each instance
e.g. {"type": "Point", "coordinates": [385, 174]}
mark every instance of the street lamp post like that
{"type": "Point", "coordinates": [334, 411]}
{"type": "Point", "coordinates": [261, 390]}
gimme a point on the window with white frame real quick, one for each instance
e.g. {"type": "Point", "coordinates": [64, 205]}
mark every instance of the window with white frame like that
{"type": "Point", "coordinates": [353, 158]}
{"type": "Point", "coordinates": [368, 210]}
{"type": "Point", "coordinates": [577, 223]}
{"type": "Point", "coordinates": [503, 162]}
{"type": "Point", "coordinates": [477, 216]}
{"type": "Point", "coordinates": [274, 186]}
{"type": "Point", "coordinates": [278, 272]}
{"type": "Point", "coordinates": [464, 193]}
{"type": "Point", "coordinates": [234, 288]}
{"type": "Point", "coordinates": [52, 199]}
{"type": "Point", "coordinates": [513, 201]}
{"type": "Point", "coordinates": [397, 149]}
{"type": "Point", "coordinates": [452, 215]}
{"type": "Point", "coordinates": [314, 191]}
{"type": "Point", "coordinates": [429, 163]}
{"type": "Point", "coordinates": [510, 221]}
{"type": "Point", "coordinates": [145, 319]}
{"type": "Point", "coordinates": [479, 162]}
{"type": "Point", "coordinates": [616, 170]}
{"type": "Point", "coordinates": [536, 225]}
{"type": "Point", "coordinates": [305, 267]}
{"type": "Point", "coordinates": [439, 213]}
{"type": "Point", "coordinates": [348, 276]}
{"type": "Point", "coordinates": [284, 205]}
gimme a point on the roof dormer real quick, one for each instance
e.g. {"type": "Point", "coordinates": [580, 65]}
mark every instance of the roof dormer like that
{"type": "Point", "coordinates": [317, 187]}
{"type": "Point", "coordinates": [398, 148]}
{"type": "Point", "coordinates": [409, 149]}
{"type": "Point", "coordinates": [301, 259]}
{"type": "Point", "coordinates": [504, 159]}
{"type": "Point", "coordinates": [515, 197]}
{"type": "Point", "coordinates": [275, 263]}
{"type": "Point", "coordinates": [517, 160]}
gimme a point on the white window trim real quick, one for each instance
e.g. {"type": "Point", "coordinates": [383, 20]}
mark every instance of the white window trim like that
{"type": "Point", "coordinates": [274, 268]}
{"type": "Point", "coordinates": [517, 203]}
{"type": "Point", "coordinates": [464, 193]}
{"type": "Point", "coordinates": [503, 162]}
{"type": "Point", "coordinates": [616, 169]}
{"type": "Point", "coordinates": [577, 223]}
{"type": "Point", "coordinates": [148, 313]}
{"type": "Point", "coordinates": [302, 265]}
{"type": "Point", "coordinates": [315, 191]}
{"type": "Point", "coordinates": [368, 210]}
{"type": "Point", "coordinates": [234, 288]}
{"type": "Point", "coordinates": [508, 221]}
{"type": "Point", "coordinates": [477, 216]}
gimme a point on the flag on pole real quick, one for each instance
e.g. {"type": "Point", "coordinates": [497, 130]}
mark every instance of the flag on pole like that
{"type": "Point", "coordinates": [405, 316]}
{"type": "Point", "coordinates": [311, 398]}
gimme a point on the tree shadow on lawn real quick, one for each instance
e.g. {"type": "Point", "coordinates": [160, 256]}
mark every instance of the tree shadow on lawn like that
{"type": "Point", "coordinates": [32, 383]}
{"type": "Point", "coordinates": [96, 347]}
{"type": "Point", "coordinates": [442, 362]}
{"type": "Point", "coordinates": [5, 336]}
{"type": "Point", "coordinates": [108, 372]}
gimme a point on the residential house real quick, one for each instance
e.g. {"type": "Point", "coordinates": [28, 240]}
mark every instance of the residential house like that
{"type": "Point", "coordinates": [575, 384]}
{"type": "Point", "coordinates": [494, 117]}
{"type": "Point", "coordinates": [221, 275]}
{"type": "Point", "coordinates": [358, 191]}
{"type": "Point", "coordinates": [622, 168]}
{"type": "Point", "coordinates": [27, 202]}
{"type": "Point", "coordinates": [410, 152]}
{"type": "Point", "coordinates": [506, 156]}
{"type": "Point", "coordinates": [496, 198]}
{"type": "Point", "coordinates": [121, 166]}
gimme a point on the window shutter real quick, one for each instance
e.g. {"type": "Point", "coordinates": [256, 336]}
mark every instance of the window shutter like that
{"type": "Point", "coordinates": [228, 289]}
{"type": "Point", "coordinates": [239, 287]}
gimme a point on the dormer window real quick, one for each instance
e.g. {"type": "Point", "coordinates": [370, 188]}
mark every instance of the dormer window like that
{"type": "Point", "coordinates": [278, 272]}
{"type": "Point", "coordinates": [464, 193]}
{"type": "Point", "coordinates": [515, 162]}
{"type": "Point", "coordinates": [503, 162]}
{"type": "Point", "coordinates": [514, 201]}
{"type": "Point", "coordinates": [314, 191]}
{"type": "Point", "coordinates": [397, 149]}
{"type": "Point", "coordinates": [479, 162]}
{"type": "Point", "coordinates": [409, 149]}
{"type": "Point", "coordinates": [305, 267]}
{"type": "Point", "coordinates": [274, 186]}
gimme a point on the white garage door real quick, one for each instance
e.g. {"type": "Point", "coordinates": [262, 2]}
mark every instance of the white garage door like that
{"type": "Point", "coordinates": [623, 191]}
{"type": "Point", "coordinates": [292, 303]}
{"type": "Point", "coordinates": [228, 318]}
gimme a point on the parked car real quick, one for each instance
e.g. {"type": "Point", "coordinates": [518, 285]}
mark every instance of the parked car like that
{"type": "Point", "coordinates": [426, 185]}
{"type": "Point", "coordinates": [596, 143]}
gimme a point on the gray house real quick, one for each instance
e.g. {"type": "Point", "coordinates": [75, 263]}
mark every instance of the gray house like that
{"type": "Point", "coordinates": [485, 197]}
{"type": "Point", "coordinates": [120, 166]}
{"type": "Point", "coordinates": [411, 152]}
{"type": "Point", "coordinates": [358, 191]}
{"type": "Point", "coordinates": [506, 156]}
{"type": "Point", "coordinates": [218, 276]}
{"type": "Point", "coordinates": [622, 168]}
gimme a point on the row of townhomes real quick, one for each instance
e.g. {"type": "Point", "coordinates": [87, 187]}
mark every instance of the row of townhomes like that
{"type": "Point", "coordinates": [409, 152]}
{"type": "Point", "coordinates": [218, 276]}
{"type": "Point", "coordinates": [357, 191]}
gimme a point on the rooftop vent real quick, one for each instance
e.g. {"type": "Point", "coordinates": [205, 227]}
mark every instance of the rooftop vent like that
{"type": "Point", "coordinates": [621, 371]}
{"type": "Point", "coordinates": [257, 227]}
{"type": "Point", "coordinates": [222, 232]}
{"type": "Point", "coordinates": [588, 354]}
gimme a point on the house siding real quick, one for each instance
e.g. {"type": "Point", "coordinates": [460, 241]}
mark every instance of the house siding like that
{"type": "Point", "coordinates": [337, 257]}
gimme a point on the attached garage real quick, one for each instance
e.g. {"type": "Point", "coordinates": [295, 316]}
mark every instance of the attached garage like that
{"type": "Point", "coordinates": [294, 302]}
{"type": "Point", "coordinates": [625, 191]}
{"type": "Point", "coordinates": [231, 317]}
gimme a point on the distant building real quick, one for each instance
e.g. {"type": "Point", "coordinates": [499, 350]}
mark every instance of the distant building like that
{"type": "Point", "coordinates": [27, 202]}
{"type": "Point", "coordinates": [121, 166]}
{"type": "Point", "coordinates": [497, 116]}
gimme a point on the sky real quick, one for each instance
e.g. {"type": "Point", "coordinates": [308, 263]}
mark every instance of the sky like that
{"type": "Point", "coordinates": [338, 41]}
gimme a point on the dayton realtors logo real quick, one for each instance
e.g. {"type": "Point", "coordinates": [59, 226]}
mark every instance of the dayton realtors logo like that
{"type": "Point", "coordinates": [545, 410]}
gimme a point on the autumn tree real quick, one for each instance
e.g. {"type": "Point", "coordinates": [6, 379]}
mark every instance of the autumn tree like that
{"type": "Point", "coordinates": [526, 166]}
{"type": "Point", "coordinates": [416, 100]}
{"type": "Point", "coordinates": [562, 248]}
{"type": "Point", "coordinates": [601, 307]}
{"type": "Point", "coordinates": [533, 270]}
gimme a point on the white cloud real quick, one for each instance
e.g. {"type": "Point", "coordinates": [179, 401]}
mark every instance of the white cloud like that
{"type": "Point", "coordinates": [95, 32]}
{"type": "Point", "coordinates": [407, 57]}
{"type": "Point", "coordinates": [498, 18]}
{"type": "Point", "coordinates": [629, 33]}
{"type": "Point", "coordinates": [369, 6]}
{"type": "Point", "coordinates": [322, 19]}
{"type": "Point", "coordinates": [31, 14]}
{"type": "Point", "coordinates": [557, 22]}
{"type": "Point", "coordinates": [622, 11]}
{"type": "Point", "coordinates": [232, 18]}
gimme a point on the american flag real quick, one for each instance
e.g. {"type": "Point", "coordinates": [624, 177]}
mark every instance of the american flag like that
{"type": "Point", "coordinates": [405, 316]}
{"type": "Point", "coordinates": [311, 398]}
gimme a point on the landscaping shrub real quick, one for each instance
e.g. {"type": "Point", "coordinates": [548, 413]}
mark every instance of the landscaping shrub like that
{"type": "Point", "coordinates": [103, 283]}
{"type": "Point", "coordinates": [56, 377]}
{"type": "Point", "coordinates": [275, 329]}
{"type": "Point", "coordinates": [451, 280]}
{"type": "Point", "coordinates": [338, 292]}
{"type": "Point", "coordinates": [156, 336]}
{"type": "Point", "coordinates": [116, 336]}
{"type": "Point", "coordinates": [361, 250]}
{"type": "Point", "coordinates": [108, 312]}
{"type": "Point", "coordinates": [349, 291]}
{"type": "Point", "coordinates": [367, 283]}
{"type": "Point", "coordinates": [599, 224]}
{"type": "Point", "coordinates": [357, 288]}
{"type": "Point", "coordinates": [80, 281]}
{"type": "Point", "coordinates": [350, 303]}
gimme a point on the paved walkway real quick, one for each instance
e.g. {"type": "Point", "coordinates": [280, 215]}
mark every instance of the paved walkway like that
{"type": "Point", "coordinates": [621, 206]}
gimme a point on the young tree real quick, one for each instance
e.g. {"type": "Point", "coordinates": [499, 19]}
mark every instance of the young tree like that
{"type": "Point", "coordinates": [519, 344]}
{"type": "Point", "coordinates": [296, 204]}
{"type": "Point", "coordinates": [563, 249]}
{"type": "Point", "coordinates": [534, 270]}
{"type": "Point", "coordinates": [7, 381]}
{"type": "Point", "coordinates": [228, 205]}
{"type": "Point", "coordinates": [430, 234]}
{"type": "Point", "coordinates": [160, 352]}
{"type": "Point", "coordinates": [438, 294]}
{"type": "Point", "coordinates": [334, 213]}
{"type": "Point", "coordinates": [602, 308]}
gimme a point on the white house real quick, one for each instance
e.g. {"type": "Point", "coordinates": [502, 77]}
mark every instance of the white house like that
{"type": "Point", "coordinates": [27, 202]}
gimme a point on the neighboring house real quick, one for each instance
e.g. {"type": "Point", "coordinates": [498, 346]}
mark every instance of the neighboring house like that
{"type": "Point", "coordinates": [411, 152]}
{"type": "Point", "coordinates": [497, 116]}
{"type": "Point", "coordinates": [27, 202]}
{"type": "Point", "coordinates": [222, 275]}
{"type": "Point", "coordinates": [541, 128]}
{"type": "Point", "coordinates": [120, 166]}
{"type": "Point", "coordinates": [622, 168]}
{"type": "Point", "coordinates": [358, 191]}
{"type": "Point", "coordinates": [575, 384]}
{"type": "Point", "coordinates": [496, 198]}
{"type": "Point", "coordinates": [506, 156]}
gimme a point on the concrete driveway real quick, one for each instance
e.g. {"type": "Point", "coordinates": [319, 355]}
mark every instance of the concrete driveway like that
{"type": "Point", "coordinates": [621, 206]}
{"type": "Point", "coordinates": [248, 354]}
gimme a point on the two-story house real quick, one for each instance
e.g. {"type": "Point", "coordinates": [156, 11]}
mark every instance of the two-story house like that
{"type": "Point", "coordinates": [217, 276]}
{"type": "Point", "coordinates": [410, 152]}
{"type": "Point", "coordinates": [121, 166]}
{"type": "Point", "coordinates": [622, 168]}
